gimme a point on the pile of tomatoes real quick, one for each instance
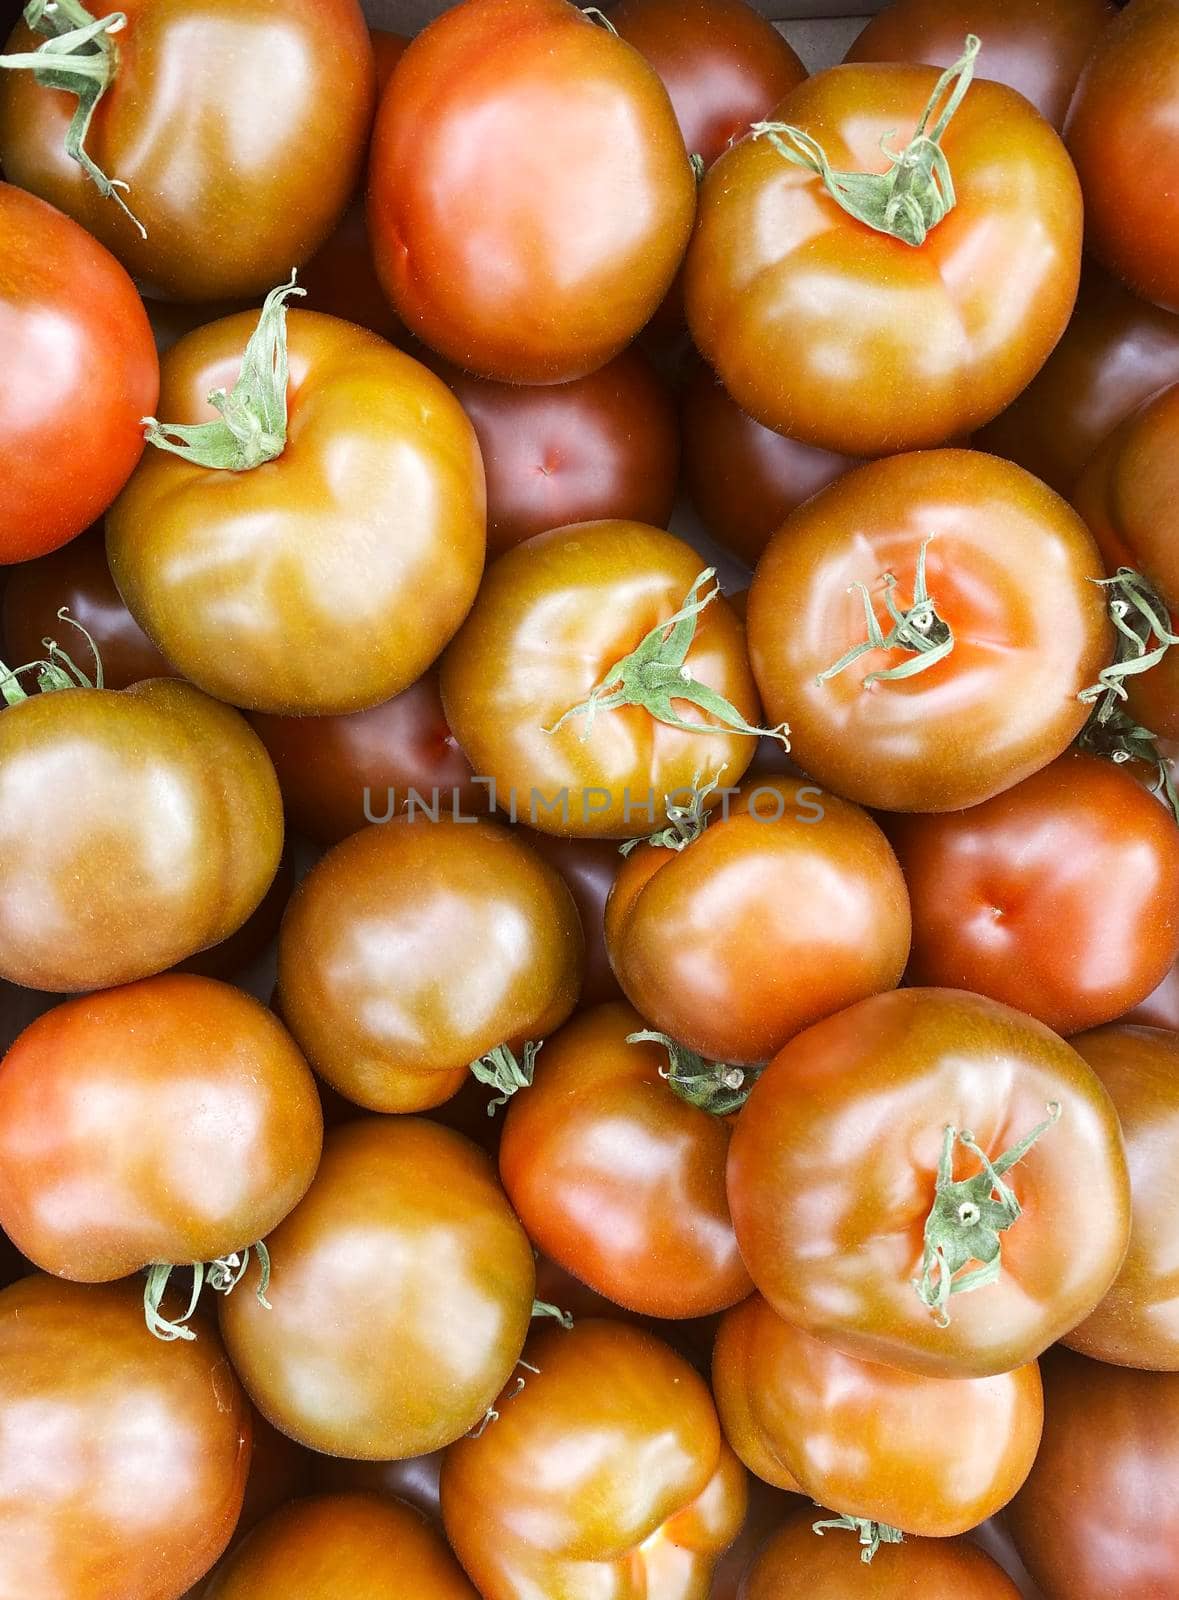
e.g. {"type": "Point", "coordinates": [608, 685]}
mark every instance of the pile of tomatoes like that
{"type": "Point", "coordinates": [525, 1076]}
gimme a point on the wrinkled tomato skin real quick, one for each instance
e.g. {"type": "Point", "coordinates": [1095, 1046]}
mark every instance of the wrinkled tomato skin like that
{"type": "Point", "coordinates": [357, 1545]}
{"type": "Point", "coordinates": [788, 907]}
{"type": "Point", "coordinates": [115, 1110]}
{"type": "Point", "coordinates": [1003, 703]}
{"type": "Point", "coordinates": [401, 1291]}
{"type": "Point", "coordinates": [1059, 897]}
{"type": "Point", "coordinates": [1122, 128]}
{"type": "Point", "coordinates": [80, 370]}
{"type": "Point", "coordinates": [387, 913]}
{"type": "Point", "coordinates": [121, 887]}
{"type": "Point", "coordinates": [621, 1513]}
{"type": "Point", "coordinates": [832, 1170]}
{"type": "Point", "coordinates": [1038, 49]}
{"type": "Point", "coordinates": [1099, 1514]}
{"type": "Point", "coordinates": [518, 131]}
{"type": "Point", "coordinates": [274, 588]}
{"type": "Point", "coordinates": [867, 1440]}
{"type": "Point", "coordinates": [218, 119]}
{"type": "Point", "coordinates": [123, 1459]}
{"type": "Point", "coordinates": [852, 340]}
{"type": "Point", "coordinates": [566, 1161]}
{"type": "Point", "coordinates": [589, 867]}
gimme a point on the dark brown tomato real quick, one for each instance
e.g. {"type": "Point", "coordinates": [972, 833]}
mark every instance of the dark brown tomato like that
{"type": "Point", "coordinates": [280, 1470]}
{"type": "Point", "coordinates": [589, 867]}
{"type": "Point", "coordinates": [414, 1479]}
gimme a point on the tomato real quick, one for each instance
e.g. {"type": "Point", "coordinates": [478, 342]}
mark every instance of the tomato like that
{"type": "Point", "coordinates": [786, 908]}
{"type": "Point", "coordinates": [234, 956]}
{"type": "Point", "coordinates": [552, 623]}
{"type": "Point", "coordinates": [1160, 1009]}
{"type": "Point", "coordinates": [1099, 1515]}
{"type": "Point", "coordinates": [80, 370]}
{"type": "Point", "coordinates": [868, 1441]}
{"type": "Point", "coordinates": [1121, 132]}
{"type": "Point", "coordinates": [850, 1217]}
{"type": "Point", "coordinates": [589, 867]}
{"type": "Point", "coordinates": [173, 841]}
{"type": "Point", "coordinates": [646, 1494]}
{"type": "Point", "coordinates": [1009, 572]}
{"type": "Point", "coordinates": [349, 1544]}
{"type": "Point", "coordinates": [413, 1479]}
{"type": "Point", "coordinates": [236, 130]}
{"type": "Point", "coordinates": [865, 341]}
{"type": "Point", "coordinates": [767, 1509]}
{"type": "Point", "coordinates": [274, 585]}
{"type": "Point", "coordinates": [338, 774]}
{"type": "Point", "coordinates": [744, 479]}
{"type": "Point", "coordinates": [519, 132]}
{"type": "Point", "coordinates": [122, 1460]}
{"type": "Point", "coordinates": [1059, 897]}
{"type": "Point", "coordinates": [606, 445]}
{"type": "Point", "coordinates": [415, 948]}
{"type": "Point", "coordinates": [280, 1470]}
{"type": "Point", "coordinates": [401, 1295]}
{"type": "Point", "coordinates": [1038, 49]}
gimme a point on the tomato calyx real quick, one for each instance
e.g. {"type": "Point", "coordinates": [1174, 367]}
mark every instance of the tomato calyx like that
{"type": "Point", "coordinates": [56, 671]}
{"type": "Point", "coordinates": [919, 629]}
{"type": "Point", "coordinates": [79, 58]}
{"type": "Point", "coordinates": [917, 191]}
{"type": "Point", "coordinates": [870, 1534]}
{"type": "Point", "coordinates": [253, 423]}
{"type": "Point", "coordinates": [492, 1413]}
{"type": "Point", "coordinates": [542, 1308]}
{"type": "Point", "coordinates": [685, 823]}
{"type": "Point", "coordinates": [655, 674]}
{"type": "Point", "coordinates": [503, 1070]}
{"type": "Point", "coordinates": [222, 1276]}
{"type": "Point", "coordinates": [967, 1217]}
{"type": "Point", "coordinates": [598, 17]}
{"type": "Point", "coordinates": [713, 1086]}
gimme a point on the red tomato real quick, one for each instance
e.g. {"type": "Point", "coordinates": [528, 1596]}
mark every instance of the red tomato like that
{"type": "Point", "coordinates": [848, 1211]}
{"type": "Point", "coordinates": [1160, 1009]}
{"type": "Point", "coordinates": [401, 1294]}
{"type": "Point", "coordinates": [517, 132]}
{"type": "Point", "coordinates": [80, 370]}
{"type": "Point", "coordinates": [1059, 897]}
{"type": "Point", "coordinates": [971, 723]}
{"type": "Point", "coordinates": [589, 867]}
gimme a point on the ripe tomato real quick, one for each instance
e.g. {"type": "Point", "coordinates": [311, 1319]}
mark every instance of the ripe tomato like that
{"type": "Point", "coordinates": [415, 948]}
{"type": "Point", "coordinates": [328, 575]}
{"type": "Point", "coordinates": [786, 908]}
{"type": "Point", "coordinates": [401, 1295]}
{"type": "Point", "coordinates": [865, 341]}
{"type": "Point", "coordinates": [744, 479]}
{"type": "Point", "coordinates": [1160, 1009]}
{"type": "Point", "coordinates": [964, 725]}
{"type": "Point", "coordinates": [553, 620]}
{"type": "Point", "coordinates": [233, 957]}
{"type": "Point", "coordinates": [868, 1441]}
{"type": "Point", "coordinates": [1099, 1515]}
{"type": "Point", "coordinates": [568, 1162]}
{"type": "Point", "coordinates": [358, 1545]}
{"type": "Point", "coordinates": [414, 1479]}
{"type": "Point", "coordinates": [280, 1470]}
{"type": "Point", "coordinates": [647, 1493]}
{"type": "Point", "coordinates": [1038, 49]}
{"type": "Point", "coordinates": [589, 867]}
{"type": "Point", "coordinates": [80, 370]}
{"type": "Point", "coordinates": [122, 1460]}
{"type": "Point", "coordinates": [520, 133]}
{"type": "Point", "coordinates": [767, 1509]}
{"type": "Point", "coordinates": [1059, 897]}
{"type": "Point", "coordinates": [237, 135]}
{"type": "Point", "coordinates": [1122, 130]}
{"type": "Point", "coordinates": [176, 843]}
{"type": "Point", "coordinates": [850, 1217]}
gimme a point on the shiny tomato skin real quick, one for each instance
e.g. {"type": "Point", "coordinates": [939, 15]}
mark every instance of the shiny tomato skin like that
{"type": "Point", "coordinates": [414, 1479]}
{"type": "Point", "coordinates": [1003, 703]}
{"type": "Point", "coordinates": [168, 1120]}
{"type": "Point", "coordinates": [867, 1440]}
{"type": "Point", "coordinates": [220, 120]}
{"type": "Point", "coordinates": [1099, 1514]}
{"type": "Point", "coordinates": [401, 1292]}
{"type": "Point", "coordinates": [832, 1169]}
{"type": "Point", "coordinates": [589, 867]}
{"type": "Point", "coordinates": [1160, 1009]}
{"type": "Point", "coordinates": [787, 908]}
{"type": "Point", "coordinates": [648, 1494]}
{"type": "Point", "coordinates": [1059, 897]}
{"type": "Point", "coordinates": [520, 132]}
{"type": "Point", "coordinates": [566, 1161]}
{"type": "Point", "coordinates": [296, 604]}
{"type": "Point", "coordinates": [124, 1459]}
{"type": "Point", "coordinates": [80, 370]}
{"type": "Point", "coordinates": [232, 958]}
{"type": "Point", "coordinates": [552, 618]}
{"type": "Point", "coordinates": [852, 340]}
{"type": "Point", "coordinates": [477, 939]}
{"type": "Point", "coordinates": [122, 886]}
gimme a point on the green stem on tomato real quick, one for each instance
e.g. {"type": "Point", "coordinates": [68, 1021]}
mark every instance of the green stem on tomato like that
{"type": "Point", "coordinates": [685, 823]}
{"type": "Point", "coordinates": [503, 1070]}
{"type": "Point", "coordinates": [713, 1086]}
{"type": "Point", "coordinates": [870, 1534]}
{"type": "Point", "coordinates": [927, 637]}
{"type": "Point", "coordinates": [222, 1276]}
{"type": "Point", "coordinates": [54, 672]}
